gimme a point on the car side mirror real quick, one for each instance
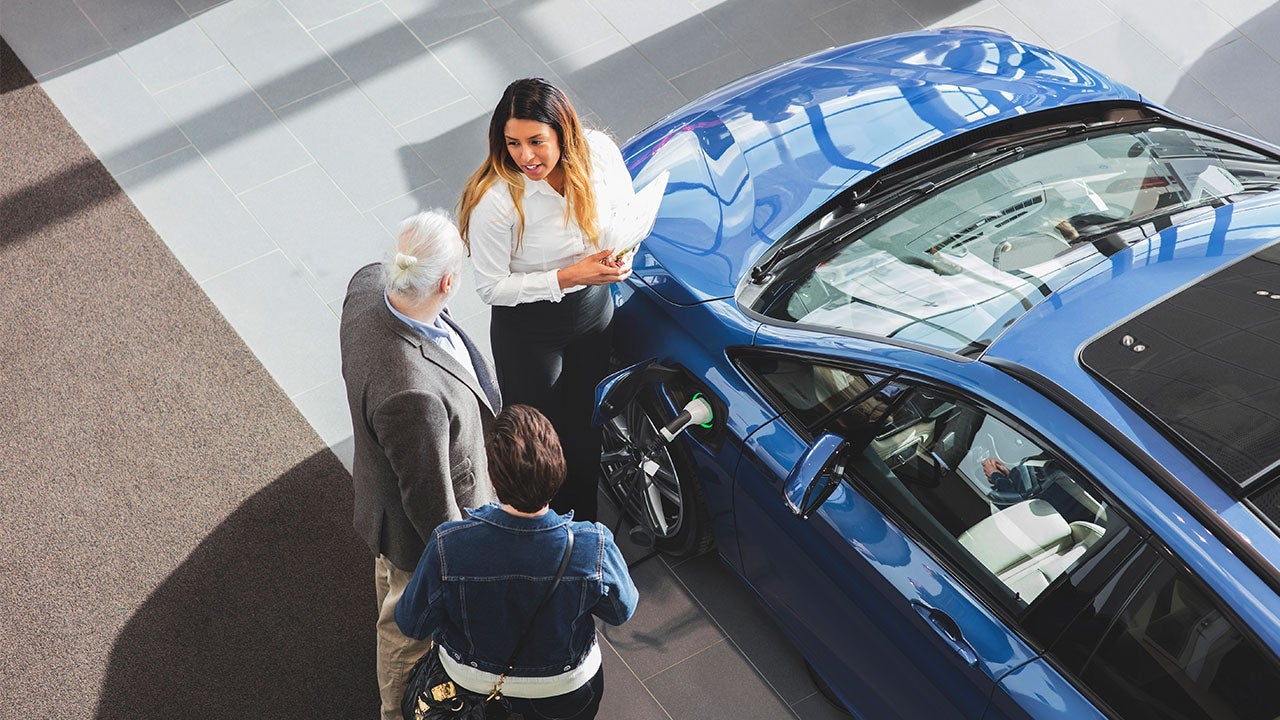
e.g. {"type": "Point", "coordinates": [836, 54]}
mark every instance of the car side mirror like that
{"type": "Point", "coordinates": [816, 476]}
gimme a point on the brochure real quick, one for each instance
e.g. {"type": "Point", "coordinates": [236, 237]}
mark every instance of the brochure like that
{"type": "Point", "coordinates": [633, 222]}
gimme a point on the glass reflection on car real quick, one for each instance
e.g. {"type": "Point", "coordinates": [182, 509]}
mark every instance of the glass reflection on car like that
{"type": "Point", "coordinates": [955, 267]}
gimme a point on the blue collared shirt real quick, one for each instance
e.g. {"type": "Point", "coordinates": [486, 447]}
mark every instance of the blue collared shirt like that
{"type": "Point", "coordinates": [439, 333]}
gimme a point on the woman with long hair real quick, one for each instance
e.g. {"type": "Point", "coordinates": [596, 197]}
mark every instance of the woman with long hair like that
{"type": "Point", "coordinates": [532, 217]}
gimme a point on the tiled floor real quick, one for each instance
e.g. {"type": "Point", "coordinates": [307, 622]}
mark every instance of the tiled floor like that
{"type": "Point", "coordinates": [274, 144]}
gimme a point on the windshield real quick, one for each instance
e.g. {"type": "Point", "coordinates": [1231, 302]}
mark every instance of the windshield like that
{"type": "Point", "coordinates": [956, 267]}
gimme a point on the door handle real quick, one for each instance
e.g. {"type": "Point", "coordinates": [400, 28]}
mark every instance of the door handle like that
{"type": "Point", "coordinates": [945, 626]}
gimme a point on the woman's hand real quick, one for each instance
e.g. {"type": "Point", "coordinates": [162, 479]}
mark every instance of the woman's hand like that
{"type": "Point", "coordinates": [596, 269]}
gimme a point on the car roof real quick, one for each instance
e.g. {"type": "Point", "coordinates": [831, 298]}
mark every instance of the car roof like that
{"type": "Point", "coordinates": [1050, 342]}
{"type": "Point", "coordinates": [751, 160]}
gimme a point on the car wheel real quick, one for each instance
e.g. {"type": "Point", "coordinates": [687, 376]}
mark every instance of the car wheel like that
{"type": "Point", "coordinates": [672, 505]}
{"type": "Point", "coordinates": [827, 693]}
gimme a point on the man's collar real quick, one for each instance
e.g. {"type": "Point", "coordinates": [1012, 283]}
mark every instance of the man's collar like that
{"type": "Point", "coordinates": [433, 330]}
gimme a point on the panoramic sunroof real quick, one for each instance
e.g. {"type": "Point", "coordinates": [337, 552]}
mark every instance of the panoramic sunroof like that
{"type": "Point", "coordinates": [1205, 363]}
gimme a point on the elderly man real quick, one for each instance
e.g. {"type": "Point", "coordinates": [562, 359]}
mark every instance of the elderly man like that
{"type": "Point", "coordinates": [421, 396]}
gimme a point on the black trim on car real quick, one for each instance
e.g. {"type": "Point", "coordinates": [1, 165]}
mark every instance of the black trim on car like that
{"type": "Point", "coordinates": [1237, 544]}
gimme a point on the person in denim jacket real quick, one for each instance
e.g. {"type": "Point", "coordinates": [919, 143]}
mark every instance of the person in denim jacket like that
{"type": "Point", "coordinates": [480, 580]}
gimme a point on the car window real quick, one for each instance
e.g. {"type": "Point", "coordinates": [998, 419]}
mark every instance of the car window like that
{"type": "Point", "coordinates": [1170, 651]}
{"type": "Point", "coordinates": [955, 267]}
{"type": "Point", "coordinates": [1004, 507]}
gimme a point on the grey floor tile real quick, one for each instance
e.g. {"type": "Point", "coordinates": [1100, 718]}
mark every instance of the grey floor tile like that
{"type": "Point", "coordinates": [816, 707]}
{"type": "Point", "coordinates": [195, 7]}
{"type": "Point", "coordinates": [768, 33]}
{"type": "Point", "coordinates": [668, 627]}
{"type": "Point", "coordinates": [352, 141]}
{"type": "Point", "coordinates": [432, 196]}
{"type": "Point", "coordinates": [346, 452]}
{"type": "Point", "coordinates": [717, 682]}
{"type": "Point", "coordinates": [1263, 28]}
{"type": "Point", "coordinates": [270, 49]}
{"type": "Point", "coordinates": [928, 12]}
{"type": "Point", "coordinates": [1239, 12]}
{"type": "Point", "coordinates": [125, 23]}
{"type": "Point", "coordinates": [1127, 55]}
{"type": "Point", "coordinates": [117, 118]}
{"type": "Point", "coordinates": [326, 408]}
{"type": "Point", "coordinates": [1220, 71]}
{"type": "Point", "coordinates": [172, 56]}
{"type": "Point", "coordinates": [685, 46]}
{"type": "Point", "coordinates": [625, 108]}
{"type": "Point", "coordinates": [50, 34]}
{"type": "Point", "coordinates": [486, 58]}
{"type": "Point", "coordinates": [311, 13]}
{"type": "Point", "coordinates": [465, 304]}
{"type": "Point", "coordinates": [671, 34]}
{"type": "Point", "coordinates": [865, 19]}
{"type": "Point", "coordinates": [453, 141]}
{"type": "Point", "coordinates": [1197, 30]}
{"type": "Point", "coordinates": [196, 215]}
{"type": "Point", "coordinates": [555, 28]}
{"type": "Point", "coordinates": [625, 697]}
{"type": "Point", "coordinates": [402, 78]}
{"type": "Point", "coordinates": [1061, 22]}
{"type": "Point", "coordinates": [718, 72]}
{"type": "Point", "coordinates": [316, 226]}
{"type": "Point", "coordinates": [281, 320]}
{"type": "Point", "coordinates": [734, 608]}
{"type": "Point", "coordinates": [435, 20]}
{"type": "Point", "coordinates": [637, 21]}
{"type": "Point", "coordinates": [999, 17]}
{"type": "Point", "coordinates": [240, 136]}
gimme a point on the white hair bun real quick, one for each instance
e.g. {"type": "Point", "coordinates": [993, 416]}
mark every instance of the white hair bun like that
{"type": "Point", "coordinates": [404, 262]}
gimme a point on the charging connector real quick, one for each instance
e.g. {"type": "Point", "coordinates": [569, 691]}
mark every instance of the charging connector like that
{"type": "Point", "coordinates": [696, 412]}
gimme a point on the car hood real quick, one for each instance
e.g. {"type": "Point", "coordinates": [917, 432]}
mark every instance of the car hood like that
{"type": "Point", "coordinates": [752, 159]}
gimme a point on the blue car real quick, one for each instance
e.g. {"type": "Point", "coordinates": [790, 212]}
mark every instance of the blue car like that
{"type": "Point", "coordinates": [980, 357]}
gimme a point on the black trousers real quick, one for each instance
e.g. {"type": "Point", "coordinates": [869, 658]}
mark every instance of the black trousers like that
{"type": "Point", "coordinates": [552, 356]}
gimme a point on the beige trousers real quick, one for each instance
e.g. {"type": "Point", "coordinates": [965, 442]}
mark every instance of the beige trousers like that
{"type": "Point", "coordinates": [396, 653]}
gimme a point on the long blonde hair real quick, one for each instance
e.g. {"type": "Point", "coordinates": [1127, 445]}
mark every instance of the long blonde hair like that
{"type": "Point", "coordinates": [538, 100]}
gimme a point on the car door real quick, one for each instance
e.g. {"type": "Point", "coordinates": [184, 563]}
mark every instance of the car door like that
{"type": "Point", "coordinates": [901, 576]}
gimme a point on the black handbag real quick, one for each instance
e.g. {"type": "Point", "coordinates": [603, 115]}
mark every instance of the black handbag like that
{"type": "Point", "coordinates": [432, 695]}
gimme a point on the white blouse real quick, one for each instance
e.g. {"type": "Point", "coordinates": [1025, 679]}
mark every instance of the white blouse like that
{"type": "Point", "coordinates": [506, 276]}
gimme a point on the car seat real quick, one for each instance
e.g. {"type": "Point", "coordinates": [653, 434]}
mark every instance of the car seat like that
{"type": "Point", "coordinates": [1028, 545]}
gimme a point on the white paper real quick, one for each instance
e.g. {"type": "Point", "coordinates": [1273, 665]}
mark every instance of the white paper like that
{"type": "Point", "coordinates": [633, 222]}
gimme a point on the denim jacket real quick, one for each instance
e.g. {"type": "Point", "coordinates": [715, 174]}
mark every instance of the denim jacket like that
{"type": "Point", "coordinates": [480, 580]}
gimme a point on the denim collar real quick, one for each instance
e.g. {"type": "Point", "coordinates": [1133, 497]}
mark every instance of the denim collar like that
{"type": "Point", "coordinates": [495, 515]}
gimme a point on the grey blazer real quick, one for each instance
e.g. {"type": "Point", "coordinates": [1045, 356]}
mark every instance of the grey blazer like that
{"type": "Point", "coordinates": [418, 419]}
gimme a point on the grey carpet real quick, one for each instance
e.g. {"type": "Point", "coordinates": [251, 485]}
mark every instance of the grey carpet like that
{"type": "Point", "coordinates": [175, 540]}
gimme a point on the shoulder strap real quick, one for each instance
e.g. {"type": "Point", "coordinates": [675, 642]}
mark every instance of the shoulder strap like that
{"type": "Point", "coordinates": [564, 565]}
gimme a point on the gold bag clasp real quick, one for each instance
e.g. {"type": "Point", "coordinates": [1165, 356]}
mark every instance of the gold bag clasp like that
{"type": "Point", "coordinates": [443, 691]}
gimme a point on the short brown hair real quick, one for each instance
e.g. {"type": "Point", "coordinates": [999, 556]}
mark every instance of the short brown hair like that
{"type": "Point", "coordinates": [526, 464]}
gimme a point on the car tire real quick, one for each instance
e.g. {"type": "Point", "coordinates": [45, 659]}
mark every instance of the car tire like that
{"type": "Point", "coordinates": [675, 505]}
{"type": "Point", "coordinates": [825, 690]}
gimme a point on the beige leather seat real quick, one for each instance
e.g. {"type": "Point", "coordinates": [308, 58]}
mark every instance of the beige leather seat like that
{"type": "Point", "coordinates": [1028, 545]}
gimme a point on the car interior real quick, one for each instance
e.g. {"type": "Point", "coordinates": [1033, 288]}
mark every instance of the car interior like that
{"type": "Point", "coordinates": [987, 494]}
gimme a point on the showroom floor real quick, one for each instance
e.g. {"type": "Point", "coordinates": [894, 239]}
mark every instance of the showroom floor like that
{"type": "Point", "coordinates": [275, 144]}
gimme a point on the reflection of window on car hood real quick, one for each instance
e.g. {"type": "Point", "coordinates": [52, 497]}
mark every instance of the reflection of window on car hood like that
{"type": "Point", "coordinates": [955, 266]}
